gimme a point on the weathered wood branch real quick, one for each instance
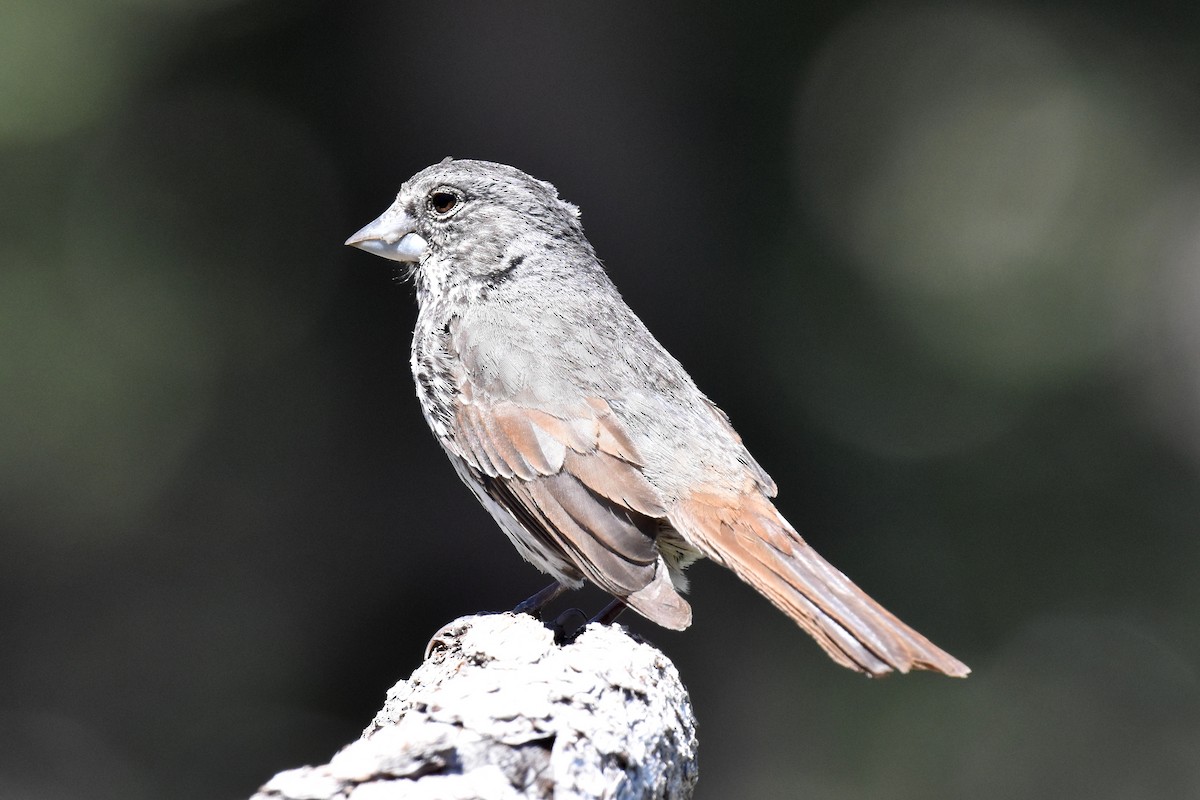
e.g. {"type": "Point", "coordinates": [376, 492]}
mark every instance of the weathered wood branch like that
{"type": "Point", "coordinates": [499, 711]}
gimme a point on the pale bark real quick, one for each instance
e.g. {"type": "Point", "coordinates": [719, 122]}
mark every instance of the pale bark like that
{"type": "Point", "coordinates": [498, 710]}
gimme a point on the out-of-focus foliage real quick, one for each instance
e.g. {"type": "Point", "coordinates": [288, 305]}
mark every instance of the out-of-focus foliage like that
{"type": "Point", "coordinates": [939, 262]}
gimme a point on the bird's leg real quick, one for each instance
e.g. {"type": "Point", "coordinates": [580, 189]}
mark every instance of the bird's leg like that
{"type": "Point", "coordinates": [610, 612]}
{"type": "Point", "coordinates": [539, 601]}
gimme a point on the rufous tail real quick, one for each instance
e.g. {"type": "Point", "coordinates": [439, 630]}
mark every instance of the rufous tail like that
{"type": "Point", "coordinates": [747, 534]}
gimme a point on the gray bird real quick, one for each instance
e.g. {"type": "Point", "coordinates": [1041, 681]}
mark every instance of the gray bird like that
{"type": "Point", "coordinates": [581, 435]}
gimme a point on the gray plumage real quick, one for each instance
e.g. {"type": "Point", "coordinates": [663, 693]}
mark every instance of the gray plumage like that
{"type": "Point", "coordinates": [587, 442]}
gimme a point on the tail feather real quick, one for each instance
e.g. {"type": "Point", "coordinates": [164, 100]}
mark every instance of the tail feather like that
{"type": "Point", "coordinates": [746, 534]}
{"type": "Point", "coordinates": [659, 602]}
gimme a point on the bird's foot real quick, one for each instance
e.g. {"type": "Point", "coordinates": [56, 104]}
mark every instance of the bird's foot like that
{"type": "Point", "coordinates": [568, 625]}
{"type": "Point", "coordinates": [572, 622]}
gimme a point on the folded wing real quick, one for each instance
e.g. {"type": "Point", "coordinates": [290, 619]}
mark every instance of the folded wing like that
{"type": "Point", "coordinates": [573, 480]}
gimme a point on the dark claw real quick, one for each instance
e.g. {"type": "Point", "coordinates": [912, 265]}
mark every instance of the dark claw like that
{"type": "Point", "coordinates": [568, 625]}
{"type": "Point", "coordinates": [565, 635]}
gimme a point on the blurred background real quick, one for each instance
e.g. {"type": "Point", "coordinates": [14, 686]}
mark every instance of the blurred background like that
{"type": "Point", "coordinates": [940, 263]}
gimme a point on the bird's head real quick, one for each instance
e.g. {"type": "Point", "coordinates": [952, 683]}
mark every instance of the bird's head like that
{"type": "Point", "coordinates": [468, 218]}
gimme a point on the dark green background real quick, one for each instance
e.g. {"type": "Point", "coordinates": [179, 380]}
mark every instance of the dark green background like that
{"type": "Point", "coordinates": [938, 262]}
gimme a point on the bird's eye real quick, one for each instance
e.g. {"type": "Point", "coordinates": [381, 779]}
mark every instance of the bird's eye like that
{"type": "Point", "coordinates": [443, 202]}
